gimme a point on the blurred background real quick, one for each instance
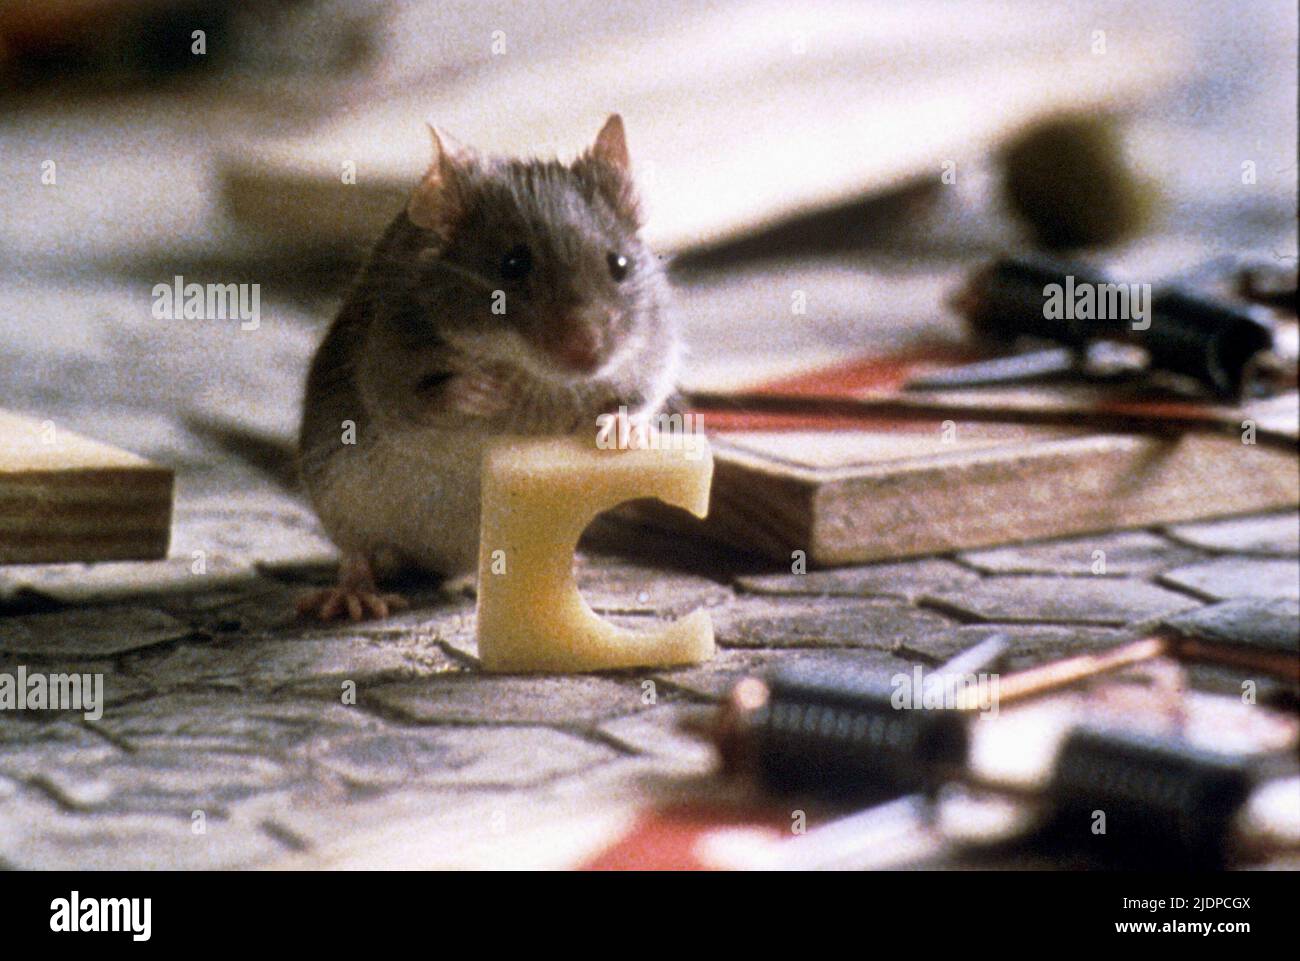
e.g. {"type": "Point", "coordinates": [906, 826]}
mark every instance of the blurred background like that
{"type": "Point", "coordinates": [865, 153]}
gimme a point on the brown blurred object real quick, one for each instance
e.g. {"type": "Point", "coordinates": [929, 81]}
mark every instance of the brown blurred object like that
{"type": "Point", "coordinates": [1270, 284]}
{"type": "Point", "coordinates": [113, 41]}
{"type": "Point", "coordinates": [1068, 178]}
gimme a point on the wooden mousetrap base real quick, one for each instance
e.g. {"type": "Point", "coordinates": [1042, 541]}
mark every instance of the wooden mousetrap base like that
{"type": "Point", "coordinates": [65, 498]}
{"type": "Point", "coordinates": [850, 490]}
{"type": "Point", "coordinates": [862, 496]}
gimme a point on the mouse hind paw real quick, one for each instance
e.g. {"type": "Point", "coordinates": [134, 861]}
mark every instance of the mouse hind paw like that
{"type": "Point", "coordinates": [339, 603]}
{"type": "Point", "coordinates": [355, 597]}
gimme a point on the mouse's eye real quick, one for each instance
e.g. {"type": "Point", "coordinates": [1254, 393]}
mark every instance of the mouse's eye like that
{"type": "Point", "coordinates": [517, 263]}
{"type": "Point", "coordinates": [619, 265]}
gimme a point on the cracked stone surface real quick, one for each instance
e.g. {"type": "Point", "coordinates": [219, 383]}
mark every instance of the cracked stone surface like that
{"type": "Point", "coordinates": [1272, 624]}
{"type": "Point", "coordinates": [1103, 601]}
{"type": "Point", "coordinates": [223, 720]}
{"type": "Point", "coordinates": [304, 664]}
{"type": "Point", "coordinates": [1228, 577]}
{"type": "Point", "coordinates": [79, 633]}
{"type": "Point", "coordinates": [614, 587]}
{"type": "Point", "coordinates": [712, 680]}
{"type": "Point", "coordinates": [141, 842]}
{"type": "Point", "coordinates": [663, 732]}
{"type": "Point", "coordinates": [1255, 534]}
{"type": "Point", "coordinates": [1120, 553]}
{"type": "Point", "coordinates": [168, 781]}
{"type": "Point", "coordinates": [464, 698]}
{"type": "Point", "coordinates": [906, 581]}
{"type": "Point", "coordinates": [461, 756]}
{"type": "Point", "coordinates": [824, 622]}
{"type": "Point", "coordinates": [1029, 644]}
{"type": "Point", "coordinates": [282, 537]}
{"type": "Point", "coordinates": [104, 583]}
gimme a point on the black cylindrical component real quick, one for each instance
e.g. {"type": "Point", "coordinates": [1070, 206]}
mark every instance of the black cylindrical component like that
{"type": "Point", "coordinates": [1208, 340]}
{"type": "Point", "coordinates": [842, 736]}
{"type": "Point", "coordinates": [1007, 300]}
{"type": "Point", "coordinates": [1204, 339]}
{"type": "Point", "coordinates": [1142, 800]}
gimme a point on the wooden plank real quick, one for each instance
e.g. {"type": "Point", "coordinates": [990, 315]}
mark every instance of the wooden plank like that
{"type": "Point", "coordinates": [759, 118]}
{"type": "Point", "coordinates": [66, 498]}
{"type": "Point", "coordinates": [775, 494]}
{"type": "Point", "coordinates": [857, 470]}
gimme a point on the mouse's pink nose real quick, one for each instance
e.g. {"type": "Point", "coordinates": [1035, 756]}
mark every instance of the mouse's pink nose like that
{"type": "Point", "coordinates": [579, 350]}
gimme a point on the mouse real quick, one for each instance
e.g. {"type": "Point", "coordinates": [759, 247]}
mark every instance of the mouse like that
{"type": "Point", "coordinates": [510, 297]}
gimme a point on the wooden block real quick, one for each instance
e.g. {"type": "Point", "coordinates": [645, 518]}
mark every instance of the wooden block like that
{"type": "Point", "coordinates": [66, 498]}
{"type": "Point", "coordinates": [850, 497]}
{"type": "Point", "coordinates": [858, 470]}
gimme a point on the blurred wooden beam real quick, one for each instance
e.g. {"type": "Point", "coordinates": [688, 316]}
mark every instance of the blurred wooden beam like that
{"type": "Point", "coordinates": [738, 120]}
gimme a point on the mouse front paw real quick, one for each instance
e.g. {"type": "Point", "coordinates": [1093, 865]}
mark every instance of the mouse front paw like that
{"type": "Point", "coordinates": [479, 393]}
{"type": "Point", "coordinates": [624, 429]}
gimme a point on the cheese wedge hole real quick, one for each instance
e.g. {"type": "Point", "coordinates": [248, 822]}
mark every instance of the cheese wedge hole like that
{"type": "Point", "coordinates": [538, 497]}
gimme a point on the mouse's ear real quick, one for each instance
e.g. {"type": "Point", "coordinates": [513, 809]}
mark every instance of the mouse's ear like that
{"type": "Point", "coordinates": [611, 145]}
{"type": "Point", "coordinates": [606, 167]}
{"type": "Point", "coordinates": [436, 199]}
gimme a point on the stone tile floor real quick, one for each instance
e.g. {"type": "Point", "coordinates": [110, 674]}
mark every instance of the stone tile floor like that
{"type": "Point", "coordinates": [228, 714]}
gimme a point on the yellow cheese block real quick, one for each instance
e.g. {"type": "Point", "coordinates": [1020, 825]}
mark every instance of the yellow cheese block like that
{"type": "Point", "coordinates": [538, 497]}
